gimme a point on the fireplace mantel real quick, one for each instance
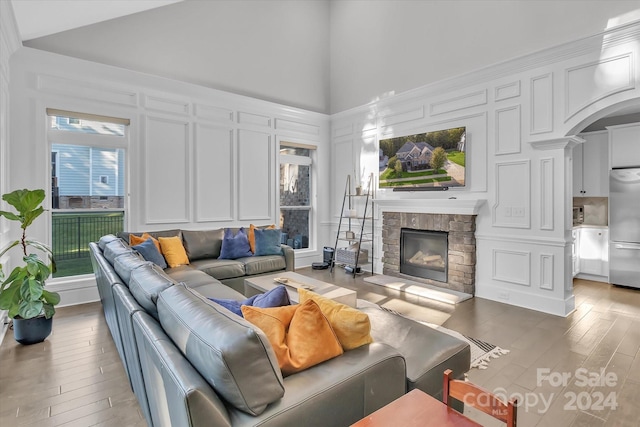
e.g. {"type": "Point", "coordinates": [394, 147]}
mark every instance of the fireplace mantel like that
{"type": "Point", "coordinates": [434, 206]}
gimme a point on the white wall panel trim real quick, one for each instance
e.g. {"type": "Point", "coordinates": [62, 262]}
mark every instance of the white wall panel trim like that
{"type": "Point", "coordinates": [507, 91]}
{"type": "Point", "coordinates": [542, 104]}
{"type": "Point", "coordinates": [512, 208]}
{"type": "Point", "coordinates": [256, 181]}
{"type": "Point", "coordinates": [253, 119]}
{"type": "Point", "coordinates": [402, 116]}
{"type": "Point", "coordinates": [459, 103]}
{"type": "Point", "coordinates": [215, 114]}
{"type": "Point", "coordinates": [297, 127]}
{"type": "Point", "coordinates": [508, 130]}
{"type": "Point", "coordinates": [166, 105]}
{"type": "Point", "coordinates": [512, 266]}
{"type": "Point", "coordinates": [546, 271]}
{"type": "Point", "coordinates": [557, 143]}
{"type": "Point", "coordinates": [528, 240]}
{"type": "Point", "coordinates": [343, 130]}
{"type": "Point", "coordinates": [86, 90]}
{"type": "Point", "coordinates": [546, 194]}
{"type": "Point", "coordinates": [611, 75]}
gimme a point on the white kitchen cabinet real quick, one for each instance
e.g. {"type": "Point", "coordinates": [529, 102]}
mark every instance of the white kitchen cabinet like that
{"type": "Point", "coordinates": [594, 250]}
{"type": "Point", "coordinates": [591, 166]}
{"type": "Point", "coordinates": [625, 145]}
{"type": "Point", "coordinates": [575, 251]}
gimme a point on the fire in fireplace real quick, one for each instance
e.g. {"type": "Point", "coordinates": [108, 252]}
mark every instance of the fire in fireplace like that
{"type": "Point", "coordinates": [424, 253]}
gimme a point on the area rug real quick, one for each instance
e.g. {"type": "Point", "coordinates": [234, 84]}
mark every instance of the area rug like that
{"type": "Point", "coordinates": [481, 352]}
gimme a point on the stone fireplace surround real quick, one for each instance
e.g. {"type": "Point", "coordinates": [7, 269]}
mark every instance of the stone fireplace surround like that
{"type": "Point", "coordinates": [461, 251]}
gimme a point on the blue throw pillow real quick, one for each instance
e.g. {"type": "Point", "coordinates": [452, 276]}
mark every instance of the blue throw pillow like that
{"type": "Point", "coordinates": [234, 247]}
{"type": "Point", "coordinates": [276, 297]}
{"type": "Point", "coordinates": [149, 252]}
{"type": "Point", "coordinates": [268, 241]}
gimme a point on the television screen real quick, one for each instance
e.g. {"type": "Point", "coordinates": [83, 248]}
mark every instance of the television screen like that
{"type": "Point", "coordinates": [432, 160]}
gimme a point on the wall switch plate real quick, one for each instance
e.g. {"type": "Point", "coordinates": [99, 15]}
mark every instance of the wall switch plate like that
{"type": "Point", "coordinates": [518, 212]}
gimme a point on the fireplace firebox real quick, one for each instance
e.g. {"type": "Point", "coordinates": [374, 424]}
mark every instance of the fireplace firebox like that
{"type": "Point", "coordinates": [424, 254]}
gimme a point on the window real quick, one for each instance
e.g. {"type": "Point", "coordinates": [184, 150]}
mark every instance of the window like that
{"type": "Point", "coordinates": [296, 206]}
{"type": "Point", "coordinates": [88, 158]}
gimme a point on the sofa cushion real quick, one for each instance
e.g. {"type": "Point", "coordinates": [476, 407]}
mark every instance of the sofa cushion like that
{"type": "Point", "coordinates": [204, 284]}
{"type": "Point", "coordinates": [263, 264]}
{"type": "Point", "coordinates": [125, 263]}
{"type": "Point", "coordinates": [267, 241]}
{"type": "Point", "coordinates": [202, 244]}
{"type": "Point", "coordinates": [173, 251]}
{"type": "Point", "coordinates": [231, 354]}
{"type": "Point", "coordinates": [115, 248]}
{"type": "Point", "coordinates": [276, 297]}
{"type": "Point", "coordinates": [146, 284]}
{"type": "Point", "coordinates": [252, 237]}
{"type": "Point", "coordinates": [150, 252]}
{"type": "Point", "coordinates": [124, 235]}
{"type": "Point", "coordinates": [352, 326]}
{"type": "Point", "coordinates": [300, 334]}
{"type": "Point", "coordinates": [136, 240]}
{"type": "Point", "coordinates": [220, 268]}
{"type": "Point", "coordinates": [235, 246]}
{"type": "Point", "coordinates": [106, 239]}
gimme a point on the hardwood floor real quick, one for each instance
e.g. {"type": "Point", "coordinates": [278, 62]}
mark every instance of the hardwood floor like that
{"type": "Point", "coordinates": [75, 377]}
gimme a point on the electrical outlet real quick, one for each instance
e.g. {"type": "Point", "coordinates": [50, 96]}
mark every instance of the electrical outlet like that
{"type": "Point", "coordinates": [518, 212]}
{"type": "Point", "coordinates": [507, 211]}
{"type": "Point", "coordinates": [504, 296]}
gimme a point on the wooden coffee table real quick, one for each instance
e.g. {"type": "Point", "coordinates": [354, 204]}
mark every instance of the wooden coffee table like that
{"type": "Point", "coordinates": [416, 409]}
{"type": "Point", "coordinates": [253, 285]}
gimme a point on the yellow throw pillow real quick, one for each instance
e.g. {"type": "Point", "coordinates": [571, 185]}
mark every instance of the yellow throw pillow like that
{"type": "Point", "coordinates": [252, 235]}
{"type": "Point", "coordinates": [135, 240]}
{"type": "Point", "coordinates": [173, 251]}
{"type": "Point", "coordinates": [300, 334]}
{"type": "Point", "coordinates": [352, 327]}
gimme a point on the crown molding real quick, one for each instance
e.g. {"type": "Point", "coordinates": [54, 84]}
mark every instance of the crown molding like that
{"type": "Point", "coordinates": [9, 27]}
{"type": "Point", "coordinates": [557, 143]}
{"type": "Point", "coordinates": [591, 44]}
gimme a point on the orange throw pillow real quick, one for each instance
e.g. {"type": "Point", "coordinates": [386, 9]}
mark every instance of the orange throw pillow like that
{"type": "Point", "coordinates": [352, 326]}
{"type": "Point", "coordinates": [252, 235]}
{"type": "Point", "coordinates": [173, 251]}
{"type": "Point", "coordinates": [135, 240]}
{"type": "Point", "coordinates": [300, 334]}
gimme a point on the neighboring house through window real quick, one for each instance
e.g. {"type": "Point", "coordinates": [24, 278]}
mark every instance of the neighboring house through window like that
{"type": "Point", "coordinates": [87, 184]}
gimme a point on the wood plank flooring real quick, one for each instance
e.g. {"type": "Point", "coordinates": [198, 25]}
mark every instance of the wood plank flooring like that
{"type": "Point", "coordinates": [75, 377]}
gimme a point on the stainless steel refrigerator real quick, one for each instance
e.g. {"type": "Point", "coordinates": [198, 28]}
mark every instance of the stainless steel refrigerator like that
{"type": "Point", "coordinates": [624, 227]}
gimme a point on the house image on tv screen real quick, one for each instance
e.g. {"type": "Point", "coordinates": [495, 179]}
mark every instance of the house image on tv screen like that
{"type": "Point", "coordinates": [432, 159]}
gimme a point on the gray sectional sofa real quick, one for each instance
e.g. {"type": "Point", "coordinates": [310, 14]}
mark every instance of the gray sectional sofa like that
{"type": "Point", "coordinates": [191, 362]}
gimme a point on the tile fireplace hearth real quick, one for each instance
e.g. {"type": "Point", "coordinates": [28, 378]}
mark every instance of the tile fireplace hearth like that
{"type": "Point", "coordinates": [461, 251]}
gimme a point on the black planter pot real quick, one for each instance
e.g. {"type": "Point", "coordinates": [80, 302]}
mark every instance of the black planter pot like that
{"type": "Point", "coordinates": [32, 331]}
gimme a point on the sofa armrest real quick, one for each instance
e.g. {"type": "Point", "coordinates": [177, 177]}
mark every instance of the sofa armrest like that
{"type": "Point", "coordinates": [289, 257]}
{"type": "Point", "coordinates": [337, 392]}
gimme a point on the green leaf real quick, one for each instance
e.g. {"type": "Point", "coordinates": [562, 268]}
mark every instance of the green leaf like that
{"type": "Point", "coordinates": [30, 216]}
{"type": "Point", "coordinates": [30, 309]}
{"type": "Point", "coordinates": [10, 296]}
{"type": "Point", "coordinates": [10, 216]}
{"type": "Point", "coordinates": [49, 311]}
{"type": "Point", "coordinates": [51, 297]}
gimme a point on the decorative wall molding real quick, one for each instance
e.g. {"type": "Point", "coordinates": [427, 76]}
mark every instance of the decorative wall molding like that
{"type": "Point", "coordinates": [557, 143]}
{"type": "Point", "coordinates": [546, 271]}
{"type": "Point", "coordinates": [512, 266]}
{"type": "Point", "coordinates": [459, 103]}
{"type": "Point", "coordinates": [253, 119]}
{"type": "Point", "coordinates": [542, 104]}
{"type": "Point", "coordinates": [86, 90]}
{"type": "Point", "coordinates": [166, 172]}
{"type": "Point", "coordinates": [546, 193]}
{"type": "Point", "coordinates": [507, 91]}
{"type": "Point", "coordinates": [297, 127]}
{"type": "Point", "coordinates": [433, 206]}
{"type": "Point", "coordinates": [214, 114]}
{"type": "Point", "coordinates": [255, 184]}
{"type": "Point", "coordinates": [403, 116]}
{"type": "Point", "coordinates": [512, 205]}
{"type": "Point", "coordinates": [527, 240]}
{"type": "Point", "coordinates": [166, 105]}
{"type": "Point", "coordinates": [508, 130]}
{"type": "Point", "coordinates": [214, 162]}
{"type": "Point", "coordinates": [614, 75]}
{"type": "Point", "coordinates": [343, 130]}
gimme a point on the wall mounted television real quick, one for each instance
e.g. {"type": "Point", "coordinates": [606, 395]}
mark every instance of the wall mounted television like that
{"type": "Point", "coordinates": [425, 161]}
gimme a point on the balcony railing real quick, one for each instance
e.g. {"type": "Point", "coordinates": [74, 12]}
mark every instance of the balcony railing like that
{"type": "Point", "coordinates": [72, 232]}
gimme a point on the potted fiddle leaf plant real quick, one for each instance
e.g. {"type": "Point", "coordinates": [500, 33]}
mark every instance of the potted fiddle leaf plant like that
{"type": "Point", "coordinates": [23, 291]}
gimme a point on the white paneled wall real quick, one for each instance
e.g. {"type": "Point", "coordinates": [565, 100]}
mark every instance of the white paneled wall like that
{"type": "Point", "coordinates": [198, 158]}
{"type": "Point", "coordinates": [520, 118]}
